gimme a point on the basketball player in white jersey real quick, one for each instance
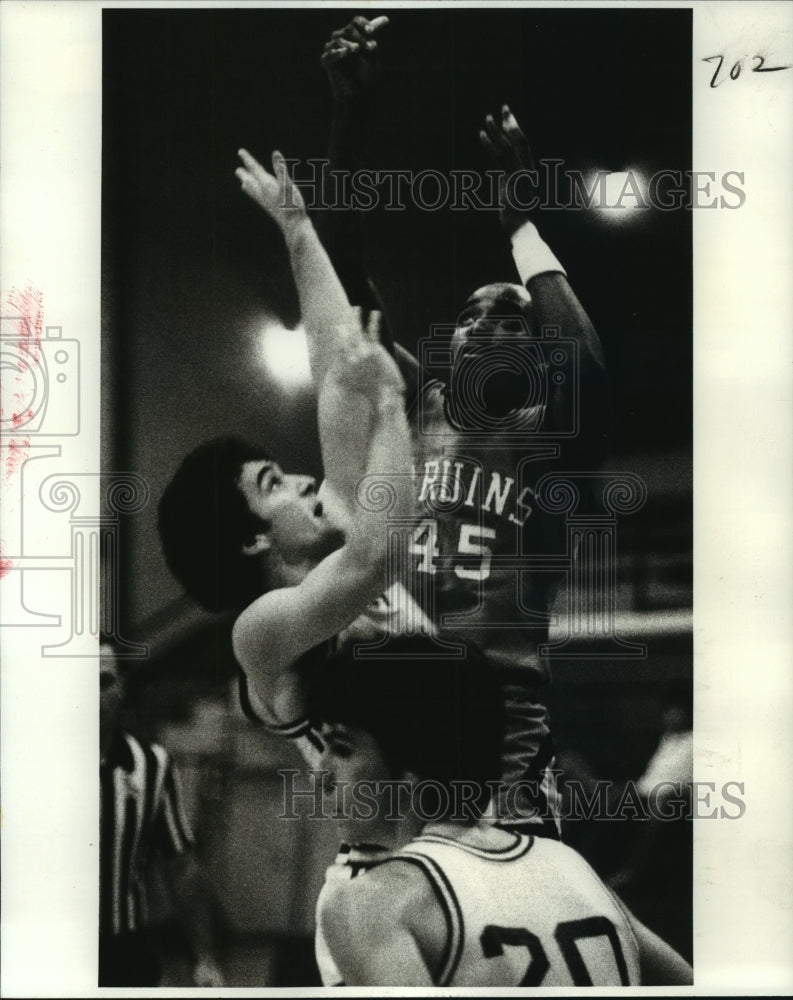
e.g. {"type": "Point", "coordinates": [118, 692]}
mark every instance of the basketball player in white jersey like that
{"type": "Point", "coordinates": [458, 902]}
{"type": "Point", "coordinates": [300, 567]}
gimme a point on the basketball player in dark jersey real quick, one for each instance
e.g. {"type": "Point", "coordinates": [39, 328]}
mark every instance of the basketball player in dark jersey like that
{"type": "Point", "coordinates": [525, 396]}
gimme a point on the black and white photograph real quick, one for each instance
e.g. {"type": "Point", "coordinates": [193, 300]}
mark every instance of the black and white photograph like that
{"type": "Point", "coordinates": [410, 486]}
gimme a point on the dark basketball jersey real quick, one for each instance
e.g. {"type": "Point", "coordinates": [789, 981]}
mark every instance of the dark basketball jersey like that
{"type": "Point", "coordinates": [488, 565]}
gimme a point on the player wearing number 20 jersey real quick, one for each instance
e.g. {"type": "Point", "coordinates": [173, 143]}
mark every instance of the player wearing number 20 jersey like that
{"type": "Point", "coordinates": [458, 901]}
{"type": "Point", "coordinates": [528, 912]}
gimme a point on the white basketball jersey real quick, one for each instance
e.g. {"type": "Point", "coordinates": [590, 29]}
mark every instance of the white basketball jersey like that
{"type": "Point", "coordinates": [530, 914]}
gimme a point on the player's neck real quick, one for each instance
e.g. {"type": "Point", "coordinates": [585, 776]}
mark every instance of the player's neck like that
{"type": "Point", "coordinates": [396, 834]}
{"type": "Point", "coordinates": [284, 573]}
{"type": "Point", "coordinates": [477, 834]}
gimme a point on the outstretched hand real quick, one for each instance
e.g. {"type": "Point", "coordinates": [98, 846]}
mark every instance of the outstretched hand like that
{"type": "Point", "coordinates": [351, 59]}
{"type": "Point", "coordinates": [509, 150]}
{"type": "Point", "coordinates": [275, 193]}
{"type": "Point", "coordinates": [365, 366]}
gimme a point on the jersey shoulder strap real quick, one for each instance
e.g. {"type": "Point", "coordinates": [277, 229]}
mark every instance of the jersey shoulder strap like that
{"type": "Point", "coordinates": [449, 904]}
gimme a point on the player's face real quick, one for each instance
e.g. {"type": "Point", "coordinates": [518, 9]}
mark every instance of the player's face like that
{"type": "Point", "coordinates": [358, 787]}
{"type": "Point", "coordinates": [492, 314]}
{"type": "Point", "coordinates": [296, 520]}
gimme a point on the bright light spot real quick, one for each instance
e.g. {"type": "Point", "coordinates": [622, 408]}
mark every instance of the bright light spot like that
{"type": "Point", "coordinates": [620, 194]}
{"type": "Point", "coordinates": [285, 355]}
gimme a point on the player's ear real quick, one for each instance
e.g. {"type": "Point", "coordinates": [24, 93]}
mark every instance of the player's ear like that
{"type": "Point", "coordinates": [256, 544]}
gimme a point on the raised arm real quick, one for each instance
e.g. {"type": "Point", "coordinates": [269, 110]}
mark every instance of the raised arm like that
{"type": "Point", "coordinates": [274, 631]}
{"type": "Point", "coordinates": [351, 61]}
{"type": "Point", "coordinates": [555, 303]}
{"type": "Point", "coordinates": [325, 308]}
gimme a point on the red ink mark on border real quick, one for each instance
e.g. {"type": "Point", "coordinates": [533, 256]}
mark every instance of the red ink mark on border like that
{"type": "Point", "coordinates": [6, 565]}
{"type": "Point", "coordinates": [16, 455]}
{"type": "Point", "coordinates": [24, 312]}
{"type": "Point", "coordinates": [28, 304]}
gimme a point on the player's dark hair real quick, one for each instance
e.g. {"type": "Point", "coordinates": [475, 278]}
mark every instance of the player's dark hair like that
{"type": "Point", "coordinates": [441, 718]}
{"type": "Point", "coordinates": [204, 520]}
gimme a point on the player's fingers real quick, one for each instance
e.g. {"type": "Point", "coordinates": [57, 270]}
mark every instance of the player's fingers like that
{"type": "Point", "coordinates": [280, 169]}
{"type": "Point", "coordinates": [373, 326]}
{"type": "Point", "coordinates": [350, 44]}
{"type": "Point", "coordinates": [342, 46]}
{"type": "Point", "coordinates": [333, 57]}
{"type": "Point", "coordinates": [514, 133]}
{"type": "Point", "coordinates": [255, 168]}
{"type": "Point", "coordinates": [355, 32]}
{"type": "Point", "coordinates": [496, 136]}
{"type": "Point", "coordinates": [250, 162]}
{"type": "Point", "coordinates": [357, 315]}
{"type": "Point", "coordinates": [335, 52]}
{"type": "Point", "coordinates": [485, 140]}
{"type": "Point", "coordinates": [362, 28]}
{"type": "Point", "coordinates": [249, 185]}
{"type": "Point", "coordinates": [363, 24]}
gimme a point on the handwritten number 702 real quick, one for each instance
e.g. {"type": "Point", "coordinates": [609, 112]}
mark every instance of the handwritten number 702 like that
{"type": "Point", "coordinates": [735, 71]}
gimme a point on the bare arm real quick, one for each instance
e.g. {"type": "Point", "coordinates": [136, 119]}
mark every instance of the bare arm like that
{"type": "Point", "coordinates": [660, 964]}
{"type": "Point", "coordinates": [274, 631]}
{"type": "Point", "coordinates": [325, 309]}
{"type": "Point", "coordinates": [554, 301]}
{"type": "Point", "coordinates": [351, 61]}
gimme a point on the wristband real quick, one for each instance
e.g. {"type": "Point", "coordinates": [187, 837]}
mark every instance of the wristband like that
{"type": "Point", "coordinates": [532, 255]}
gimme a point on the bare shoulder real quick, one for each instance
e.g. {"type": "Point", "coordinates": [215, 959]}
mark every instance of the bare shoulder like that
{"type": "Point", "coordinates": [392, 894]}
{"type": "Point", "coordinates": [372, 928]}
{"type": "Point", "coordinates": [394, 898]}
